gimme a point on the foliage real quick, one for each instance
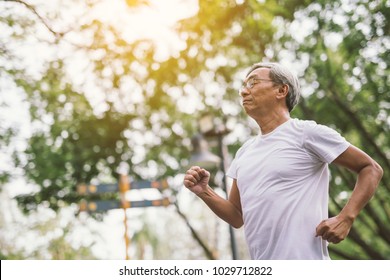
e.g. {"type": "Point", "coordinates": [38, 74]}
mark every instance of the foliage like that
{"type": "Point", "coordinates": [53, 237]}
{"type": "Point", "coordinates": [148, 105]}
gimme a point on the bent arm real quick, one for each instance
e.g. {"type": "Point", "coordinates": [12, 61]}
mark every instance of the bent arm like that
{"type": "Point", "coordinates": [196, 180]}
{"type": "Point", "coordinates": [229, 209]}
{"type": "Point", "coordinates": [369, 174]}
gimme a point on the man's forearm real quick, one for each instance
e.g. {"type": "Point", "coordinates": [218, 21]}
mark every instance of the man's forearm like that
{"type": "Point", "coordinates": [222, 208]}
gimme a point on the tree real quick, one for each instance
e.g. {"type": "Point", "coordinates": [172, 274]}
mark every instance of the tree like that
{"type": "Point", "coordinates": [51, 241]}
{"type": "Point", "coordinates": [149, 105]}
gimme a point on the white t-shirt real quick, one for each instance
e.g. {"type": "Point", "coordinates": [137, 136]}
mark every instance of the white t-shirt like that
{"type": "Point", "coordinates": [283, 181]}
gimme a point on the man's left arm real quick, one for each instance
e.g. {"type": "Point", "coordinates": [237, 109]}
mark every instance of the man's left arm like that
{"type": "Point", "coordinates": [369, 172]}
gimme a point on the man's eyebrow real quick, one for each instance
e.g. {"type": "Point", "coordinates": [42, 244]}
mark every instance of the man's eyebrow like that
{"type": "Point", "coordinates": [251, 76]}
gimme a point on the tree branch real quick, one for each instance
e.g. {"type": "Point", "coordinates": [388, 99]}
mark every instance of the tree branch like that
{"type": "Point", "coordinates": [56, 34]}
{"type": "Point", "coordinates": [207, 251]}
{"type": "Point", "coordinates": [352, 116]}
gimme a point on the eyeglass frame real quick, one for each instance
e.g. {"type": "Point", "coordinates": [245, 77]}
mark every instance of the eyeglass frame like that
{"type": "Point", "coordinates": [252, 84]}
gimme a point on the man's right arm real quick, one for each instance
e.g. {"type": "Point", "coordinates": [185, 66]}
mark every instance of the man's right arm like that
{"type": "Point", "coordinates": [229, 210]}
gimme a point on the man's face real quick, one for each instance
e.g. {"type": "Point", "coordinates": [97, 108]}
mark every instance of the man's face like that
{"type": "Point", "coordinates": [259, 95]}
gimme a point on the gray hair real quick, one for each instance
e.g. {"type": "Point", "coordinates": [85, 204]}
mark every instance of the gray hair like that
{"type": "Point", "coordinates": [281, 75]}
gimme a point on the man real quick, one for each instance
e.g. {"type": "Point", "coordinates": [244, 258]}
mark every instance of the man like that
{"type": "Point", "coordinates": [281, 178]}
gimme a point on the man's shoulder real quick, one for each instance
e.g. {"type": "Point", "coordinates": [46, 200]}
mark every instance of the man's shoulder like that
{"type": "Point", "coordinates": [304, 123]}
{"type": "Point", "coordinates": [309, 127]}
{"type": "Point", "coordinates": [314, 132]}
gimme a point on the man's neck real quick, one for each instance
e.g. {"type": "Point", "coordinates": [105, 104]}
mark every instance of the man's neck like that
{"type": "Point", "coordinates": [271, 121]}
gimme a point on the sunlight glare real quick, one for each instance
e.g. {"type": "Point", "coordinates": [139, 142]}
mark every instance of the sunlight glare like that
{"type": "Point", "coordinates": [155, 21]}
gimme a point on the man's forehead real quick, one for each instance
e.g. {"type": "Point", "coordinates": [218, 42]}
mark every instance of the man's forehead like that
{"type": "Point", "coordinates": [259, 72]}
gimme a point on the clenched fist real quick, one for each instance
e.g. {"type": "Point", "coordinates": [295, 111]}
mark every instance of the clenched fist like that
{"type": "Point", "coordinates": [196, 179]}
{"type": "Point", "coordinates": [334, 229]}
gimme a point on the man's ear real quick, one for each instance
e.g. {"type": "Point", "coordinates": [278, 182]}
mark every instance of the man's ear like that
{"type": "Point", "coordinates": [282, 91]}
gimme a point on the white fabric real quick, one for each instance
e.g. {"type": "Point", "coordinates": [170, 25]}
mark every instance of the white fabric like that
{"type": "Point", "coordinates": [283, 181]}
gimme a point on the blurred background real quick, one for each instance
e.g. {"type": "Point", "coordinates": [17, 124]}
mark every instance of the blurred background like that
{"type": "Point", "coordinates": [104, 105]}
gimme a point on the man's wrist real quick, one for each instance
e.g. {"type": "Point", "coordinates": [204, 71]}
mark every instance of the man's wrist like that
{"type": "Point", "coordinates": [349, 217]}
{"type": "Point", "coordinates": [207, 192]}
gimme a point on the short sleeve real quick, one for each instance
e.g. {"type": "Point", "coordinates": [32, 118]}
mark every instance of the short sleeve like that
{"type": "Point", "coordinates": [325, 143]}
{"type": "Point", "coordinates": [232, 171]}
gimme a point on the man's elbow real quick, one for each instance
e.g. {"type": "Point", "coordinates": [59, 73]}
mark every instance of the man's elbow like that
{"type": "Point", "coordinates": [376, 171]}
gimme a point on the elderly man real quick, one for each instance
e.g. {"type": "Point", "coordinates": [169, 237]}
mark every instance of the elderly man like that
{"type": "Point", "coordinates": [281, 177]}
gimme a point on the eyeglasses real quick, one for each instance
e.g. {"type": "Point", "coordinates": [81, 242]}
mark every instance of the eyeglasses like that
{"type": "Point", "coordinates": [251, 83]}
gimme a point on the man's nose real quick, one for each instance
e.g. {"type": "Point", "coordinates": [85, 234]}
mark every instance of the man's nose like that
{"type": "Point", "coordinates": [244, 91]}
